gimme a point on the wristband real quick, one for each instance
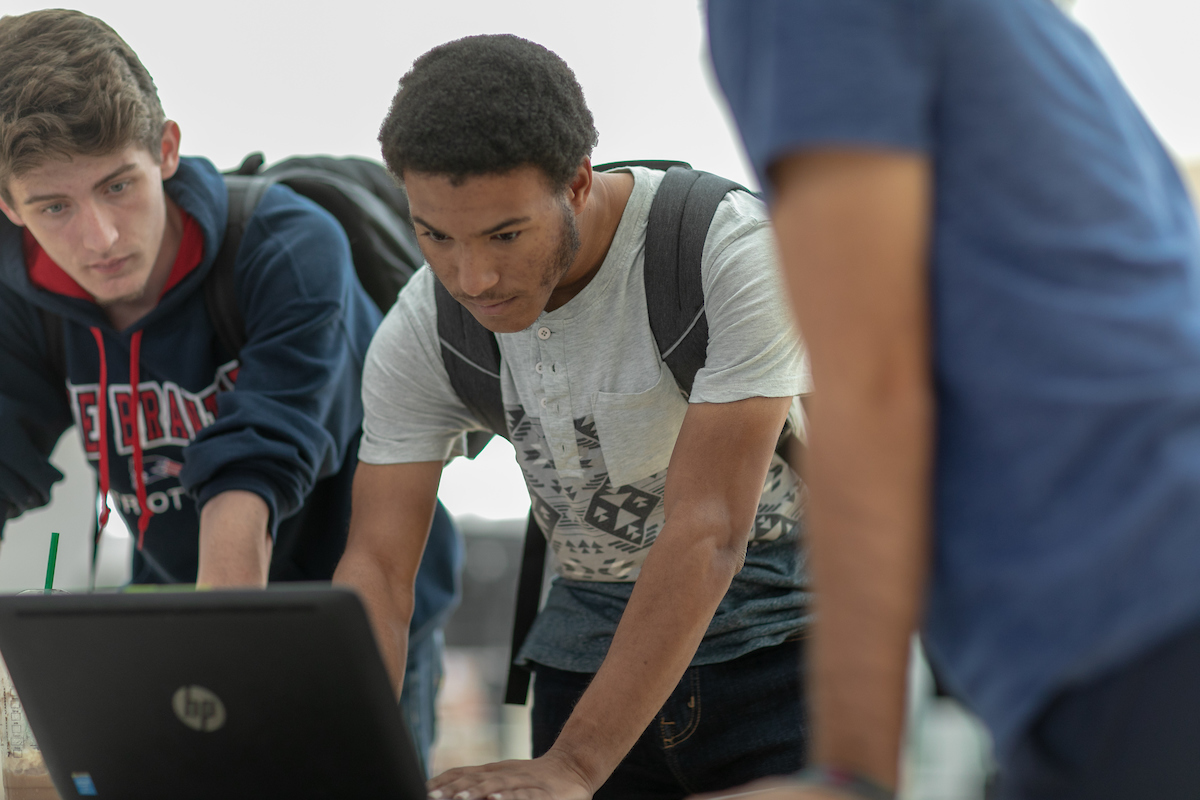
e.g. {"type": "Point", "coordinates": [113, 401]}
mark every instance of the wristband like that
{"type": "Point", "coordinates": [844, 781]}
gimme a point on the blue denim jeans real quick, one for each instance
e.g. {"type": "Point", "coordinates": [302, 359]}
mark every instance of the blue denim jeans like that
{"type": "Point", "coordinates": [418, 696]}
{"type": "Point", "coordinates": [725, 724]}
{"type": "Point", "coordinates": [1133, 733]}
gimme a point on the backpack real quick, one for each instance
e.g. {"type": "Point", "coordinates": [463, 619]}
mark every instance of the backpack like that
{"type": "Point", "coordinates": [676, 229]}
{"type": "Point", "coordinates": [361, 195]}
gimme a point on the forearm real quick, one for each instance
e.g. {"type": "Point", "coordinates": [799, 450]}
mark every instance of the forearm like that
{"type": "Point", "coordinates": [680, 586]}
{"type": "Point", "coordinates": [389, 609]}
{"type": "Point", "coordinates": [868, 478]}
{"type": "Point", "coordinates": [853, 230]}
{"type": "Point", "coordinates": [393, 506]}
{"type": "Point", "coordinates": [235, 545]}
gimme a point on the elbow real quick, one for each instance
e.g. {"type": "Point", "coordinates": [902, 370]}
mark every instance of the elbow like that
{"type": "Point", "coordinates": [728, 540]}
{"type": "Point", "coordinates": [726, 557]}
{"type": "Point", "coordinates": [716, 536]}
{"type": "Point", "coordinates": [729, 560]}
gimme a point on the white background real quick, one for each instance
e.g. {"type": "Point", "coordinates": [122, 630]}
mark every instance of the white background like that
{"type": "Point", "coordinates": [318, 78]}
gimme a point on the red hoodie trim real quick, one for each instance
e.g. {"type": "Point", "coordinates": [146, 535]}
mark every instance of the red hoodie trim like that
{"type": "Point", "coordinates": [102, 418]}
{"type": "Point", "coordinates": [139, 474]}
{"type": "Point", "coordinates": [46, 274]}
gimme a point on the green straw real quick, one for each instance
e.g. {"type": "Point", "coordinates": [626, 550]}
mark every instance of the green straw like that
{"type": "Point", "coordinates": [51, 562]}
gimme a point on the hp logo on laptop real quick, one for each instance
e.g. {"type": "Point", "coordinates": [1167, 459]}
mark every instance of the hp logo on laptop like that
{"type": "Point", "coordinates": [198, 708]}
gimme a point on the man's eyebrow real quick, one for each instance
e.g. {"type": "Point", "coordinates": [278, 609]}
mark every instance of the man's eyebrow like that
{"type": "Point", "coordinates": [507, 223]}
{"type": "Point", "coordinates": [116, 173]}
{"type": "Point", "coordinates": [41, 198]}
{"type": "Point", "coordinates": [425, 224]}
{"type": "Point", "coordinates": [494, 229]}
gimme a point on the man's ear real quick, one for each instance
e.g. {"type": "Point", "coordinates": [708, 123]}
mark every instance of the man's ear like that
{"type": "Point", "coordinates": [580, 186]}
{"type": "Point", "coordinates": [12, 215]}
{"type": "Point", "coordinates": [169, 158]}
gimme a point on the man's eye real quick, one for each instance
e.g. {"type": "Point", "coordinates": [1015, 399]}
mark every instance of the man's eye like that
{"type": "Point", "coordinates": [55, 208]}
{"type": "Point", "coordinates": [118, 187]}
{"type": "Point", "coordinates": [435, 236]}
{"type": "Point", "coordinates": [507, 236]}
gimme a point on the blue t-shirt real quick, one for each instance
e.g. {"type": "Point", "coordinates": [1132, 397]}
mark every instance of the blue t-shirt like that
{"type": "Point", "coordinates": [1066, 309]}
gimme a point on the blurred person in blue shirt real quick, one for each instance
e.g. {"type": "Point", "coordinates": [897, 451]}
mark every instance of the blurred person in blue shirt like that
{"type": "Point", "coordinates": [994, 263]}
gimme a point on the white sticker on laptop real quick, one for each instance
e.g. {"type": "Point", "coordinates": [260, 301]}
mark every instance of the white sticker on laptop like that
{"type": "Point", "coordinates": [198, 708]}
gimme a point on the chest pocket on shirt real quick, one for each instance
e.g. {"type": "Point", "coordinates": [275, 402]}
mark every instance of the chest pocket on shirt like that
{"type": "Point", "coordinates": [637, 432]}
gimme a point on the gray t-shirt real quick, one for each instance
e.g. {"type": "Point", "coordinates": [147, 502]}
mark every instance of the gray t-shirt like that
{"type": "Point", "coordinates": [594, 413]}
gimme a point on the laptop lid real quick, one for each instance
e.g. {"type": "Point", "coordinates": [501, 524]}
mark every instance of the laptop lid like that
{"type": "Point", "coordinates": [225, 694]}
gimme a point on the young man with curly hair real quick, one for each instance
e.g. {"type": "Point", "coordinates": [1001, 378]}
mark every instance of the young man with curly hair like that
{"type": "Point", "coordinates": [664, 654]}
{"type": "Point", "coordinates": [228, 466]}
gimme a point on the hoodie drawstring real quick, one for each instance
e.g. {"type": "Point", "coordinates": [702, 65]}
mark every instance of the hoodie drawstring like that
{"type": "Point", "coordinates": [139, 479]}
{"type": "Point", "coordinates": [102, 408]}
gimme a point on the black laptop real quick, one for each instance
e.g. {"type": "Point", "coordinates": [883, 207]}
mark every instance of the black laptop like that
{"type": "Point", "coordinates": [225, 694]}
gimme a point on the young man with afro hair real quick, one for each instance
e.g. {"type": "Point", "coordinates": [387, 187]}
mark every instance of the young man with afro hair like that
{"type": "Point", "coordinates": [665, 654]}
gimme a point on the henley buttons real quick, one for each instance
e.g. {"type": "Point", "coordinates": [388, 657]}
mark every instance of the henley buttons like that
{"type": "Point", "coordinates": [543, 333]}
{"type": "Point", "coordinates": [538, 368]}
{"type": "Point", "coordinates": [544, 403]}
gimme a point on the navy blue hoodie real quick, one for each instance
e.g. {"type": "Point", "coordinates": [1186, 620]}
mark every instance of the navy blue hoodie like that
{"type": "Point", "coordinates": [289, 432]}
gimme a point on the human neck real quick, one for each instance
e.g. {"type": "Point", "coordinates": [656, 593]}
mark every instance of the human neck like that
{"type": "Point", "coordinates": [124, 313]}
{"type": "Point", "coordinates": [597, 226]}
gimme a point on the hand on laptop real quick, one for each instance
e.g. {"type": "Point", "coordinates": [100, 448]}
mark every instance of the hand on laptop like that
{"type": "Point", "coordinates": [547, 778]}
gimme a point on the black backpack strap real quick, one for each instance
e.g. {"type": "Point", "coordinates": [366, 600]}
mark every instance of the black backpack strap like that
{"type": "Point", "coordinates": [471, 356]}
{"type": "Point", "coordinates": [680, 217]}
{"type": "Point", "coordinates": [677, 227]}
{"type": "Point", "coordinates": [472, 359]}
{"type": "Point", "coordinates": [529, 597]}
{"type": "Point", "coordinates": [220, 285]}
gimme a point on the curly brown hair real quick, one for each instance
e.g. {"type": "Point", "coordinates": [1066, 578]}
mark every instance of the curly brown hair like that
{"type": "Point", "coordinates": [69, 85]}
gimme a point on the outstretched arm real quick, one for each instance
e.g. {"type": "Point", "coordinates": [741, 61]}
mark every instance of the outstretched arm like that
{"type": "Point", "coordinates": [235, 545]}
{"type": "Point", "coordinates": [853, 229]}
{"type": "Point", "coordinates": [33, 407]}
{"type": "Point", "coordinates": [714, 483]}
{"type": "Point", "coordinates": [389, 524]}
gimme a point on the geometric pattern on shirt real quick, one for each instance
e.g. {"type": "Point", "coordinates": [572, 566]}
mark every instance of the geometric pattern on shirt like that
{"type": "Point", "coordinates": [770, 527]}
{"type": "Point", "coordinates": [601, 533]}
{"type": "Point", "coordinates": [547, 518]}
{"type": "Point", "coordinates": [595, 532]}
{"type": "Point", "coordinates": [622, 512]}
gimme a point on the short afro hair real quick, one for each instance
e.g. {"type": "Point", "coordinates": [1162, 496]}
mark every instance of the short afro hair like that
{"type": "Point", "coordinates": [486, 105]}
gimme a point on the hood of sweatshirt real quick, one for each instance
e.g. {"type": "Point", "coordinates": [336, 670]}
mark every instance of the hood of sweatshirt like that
{"type": "Point", "coordinates": [197, 188]}
{"type": "Point", "coordinates": [154, 402]}
{"type": "Point", "coordinates": [199, 191]}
